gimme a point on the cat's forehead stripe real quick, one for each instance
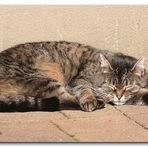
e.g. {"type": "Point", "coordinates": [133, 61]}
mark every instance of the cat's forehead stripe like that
{"type": "Point", "coordinates": [122, 64]}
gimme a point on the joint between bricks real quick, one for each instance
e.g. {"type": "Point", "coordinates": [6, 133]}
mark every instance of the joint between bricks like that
{"type": "Point", "coordinates": [131, 119]}
{"type": "Point", "coordinates": [65, 132]}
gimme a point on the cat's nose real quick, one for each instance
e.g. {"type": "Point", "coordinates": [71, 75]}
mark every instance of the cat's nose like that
{"type": "Point", "coordinates": [118, 98]}
{"type": "Point", "coordinates": [119, 94]}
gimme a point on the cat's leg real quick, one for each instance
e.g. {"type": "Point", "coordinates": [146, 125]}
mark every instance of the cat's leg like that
{"type": "Point", "coordinates": [86, 99]}
{"type": "Point", "coordinates": [47, 88]}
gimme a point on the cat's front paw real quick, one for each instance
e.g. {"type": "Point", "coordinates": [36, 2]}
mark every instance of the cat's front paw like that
{"type": "Point", "coordinates": [88, 104]}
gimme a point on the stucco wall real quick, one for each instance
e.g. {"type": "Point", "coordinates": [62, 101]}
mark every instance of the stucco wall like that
{"type": "Point", "coordinates": [118, 28]}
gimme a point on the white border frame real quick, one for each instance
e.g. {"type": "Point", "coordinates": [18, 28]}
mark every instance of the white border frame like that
{"type": "Point", "coordinates": [73, 2]}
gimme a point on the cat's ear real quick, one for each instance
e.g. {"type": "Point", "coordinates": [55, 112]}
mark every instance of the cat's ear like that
{"type": "Point", "coordinates": [105, 65]}
{"type": "Point", "coordinates": [139, 67]}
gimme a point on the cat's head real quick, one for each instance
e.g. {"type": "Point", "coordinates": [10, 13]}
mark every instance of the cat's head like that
{"type": "Point", "coordinates": [124, 77]}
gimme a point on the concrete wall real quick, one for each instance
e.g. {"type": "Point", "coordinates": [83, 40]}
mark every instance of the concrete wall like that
{"type": "Point", "coordinates": [118, 28]}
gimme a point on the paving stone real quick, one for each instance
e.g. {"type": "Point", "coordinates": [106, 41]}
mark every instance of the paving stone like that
{"type": "Point", "coordinates": [108, 110]}
{"type": "Point", "coordinates": [137, 113]}
{"type": "Point", "coordinates": [105, 125]}
{"type": "Point", "coordinates": [110, 136]}
{"type": "Point", "coordinates": [32, 132]}
{"type": "Point", "coordinates": [110, 126]}
{"type": "Point", "coordinates": [30, 116]}
{"type": "Point", "coordinates": [31, 127]}
{"type": "Point", "coordinates": [134, 109]}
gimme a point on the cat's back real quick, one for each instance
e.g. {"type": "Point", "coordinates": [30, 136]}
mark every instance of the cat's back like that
{"type": "Point", "coordinates": [46, 55]}
{"type": "Point", "coordinates": [48, 48]}
{"type": "Point", "coordinates": [54, 50]}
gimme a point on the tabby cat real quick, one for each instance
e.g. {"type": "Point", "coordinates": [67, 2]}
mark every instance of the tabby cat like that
{"type": "Point", "coordinates": [42, 75]}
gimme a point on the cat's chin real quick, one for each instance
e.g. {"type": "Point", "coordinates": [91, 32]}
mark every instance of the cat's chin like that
{"type": "Point", "coordinates": [118, 103]}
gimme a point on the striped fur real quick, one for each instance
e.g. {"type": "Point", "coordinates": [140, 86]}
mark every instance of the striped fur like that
{"type": "Point", "coordinates": [32, 75]}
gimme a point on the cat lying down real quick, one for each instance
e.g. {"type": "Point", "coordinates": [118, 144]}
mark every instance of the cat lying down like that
{"type": "Point", "coordinates": [42, 75]}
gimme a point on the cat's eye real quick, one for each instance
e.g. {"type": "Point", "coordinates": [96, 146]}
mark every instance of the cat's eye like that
{"type": "Point", "coordinates": [133, 88]}
{"type": "Point", "coordinates": [125, 82]}
{"type": "Point", "coordinates": [113, 87]}
{"type": "Point", "coordinates": [114, 81]}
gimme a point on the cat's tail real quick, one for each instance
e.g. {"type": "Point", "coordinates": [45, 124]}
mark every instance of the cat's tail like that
{"type": "Point", "coordinates": [23, 103]}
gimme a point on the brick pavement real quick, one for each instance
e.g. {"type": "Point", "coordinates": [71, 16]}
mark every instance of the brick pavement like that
{"type": "Point", "coordinates": [111, 124]}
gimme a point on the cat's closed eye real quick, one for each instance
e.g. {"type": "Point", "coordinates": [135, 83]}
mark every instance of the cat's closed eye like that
{"type": "Point", "coordinates": [125, 82]}
{"type": "Point", "coordinates": [133, 88]}
{"type": "Point", "coordinates": [114, 81]}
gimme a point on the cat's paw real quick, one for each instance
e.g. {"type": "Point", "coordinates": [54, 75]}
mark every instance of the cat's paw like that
{"type": "Point", "coordinates": [88, 104]}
